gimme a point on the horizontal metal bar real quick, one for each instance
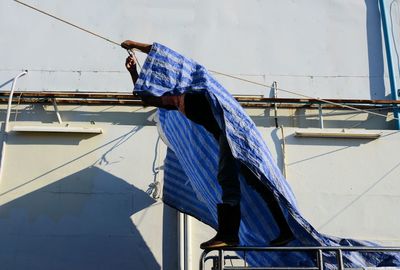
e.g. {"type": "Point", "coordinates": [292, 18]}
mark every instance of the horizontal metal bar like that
{"type": "Point", "coordinates": [268, 268]}
{"type": "Point", "coordinates": [140, 103]}
{"type": "Point", "coordinates": [129, 96]}
{"type": "Point", "coordinates": [323, 248]}
{"type": "Point", "coordinates": [320, 250]}
{"type": "Point", "coordinates": [337, 135]}
{"type": "Point", "coordinates": [127, 99]}
{"type": "Point", "coordinates": [56, 129]}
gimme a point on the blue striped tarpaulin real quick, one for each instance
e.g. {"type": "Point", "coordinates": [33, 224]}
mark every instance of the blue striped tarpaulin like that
{"type": "Point", "coordinates": [190, 182]}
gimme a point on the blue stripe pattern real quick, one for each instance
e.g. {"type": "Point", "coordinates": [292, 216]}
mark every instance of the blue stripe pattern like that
{"type": "Point", "coordinates": [191, 164]}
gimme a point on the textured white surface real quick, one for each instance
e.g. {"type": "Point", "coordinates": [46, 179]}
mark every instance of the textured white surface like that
{"type": "Point", "coordinates": [71, 189]}
{"type": "Point", "coordinates": [70, 203]}
{"type": "Point", "coordinates": [330, 49]}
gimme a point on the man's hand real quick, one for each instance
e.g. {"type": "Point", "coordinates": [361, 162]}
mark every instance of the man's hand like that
{"type": "Point", "coordinates": [130, 64]}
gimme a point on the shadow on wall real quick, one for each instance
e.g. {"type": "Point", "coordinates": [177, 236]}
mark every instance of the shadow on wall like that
{"type": "Point", "coordinates": [80, 222]}
{"type": "Point", "coordinates": [375, 50]}
{"type": "Point", "coordinates": [44, 113]}
{"type": "Point", "coordinates": [306, 118]}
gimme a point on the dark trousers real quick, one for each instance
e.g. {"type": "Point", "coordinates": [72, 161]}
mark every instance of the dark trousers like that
{"type": "Point", "coordinates": [228, 178]}
{"type": "Point", "coordinates": [198, 110]}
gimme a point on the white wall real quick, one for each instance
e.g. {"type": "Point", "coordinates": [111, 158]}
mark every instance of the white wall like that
{"type": "Point", "coordinates": [80, 201]}
{"type": "Point", "coordinates": [76, 201]}
{"type": "Point", "coordinates": [330, 49]}
{"type": "Point", "coordinates": [70, 201]}
{"type": "Point", "coordinates": [344, 188]}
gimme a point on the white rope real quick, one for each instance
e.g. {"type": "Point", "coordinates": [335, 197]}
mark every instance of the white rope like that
{"type": "Point", "coordinates": [213, 71]}
{"type": "Point", "coordinates": [302, 95]}
{"type": "Point", "coordinates": [130, 52]}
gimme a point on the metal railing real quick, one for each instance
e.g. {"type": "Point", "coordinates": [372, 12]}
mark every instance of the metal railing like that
{"type": "Point", "coordinates": [218, 261]}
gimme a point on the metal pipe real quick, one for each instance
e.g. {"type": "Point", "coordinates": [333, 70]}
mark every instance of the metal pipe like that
{"type": "Point", "coordinates": [5, 131]}
{"type": "Point", "coordinates": [391, 69]}
{"type": "Point", "coordinates": [313, 248]}
{"type": "Point", "coordinates": [275, 86]}
{"type": "Point", "coordinates": [202, 259]}
{"type": "Point", "coordinates": [321, 116]}
{"type": "Point", "coordinates": [221, 259]}
{"type": "Point", "coordinates": [340, 259]}
{"type": "Point", "coordinates": [319, 252]}
{"type": "Point", "coordinates": [320, 260]}
{"type": "Point", "coordinates": [121, 96]}
{"type": "Point", "coordinates": [184, 242]}
{"type": "Point", "coordinates": [57, 111]}
{"type": "Point", "coordinates": [284, 165]}
{"type": "Point", "coordinates": [188, 240]}
{"type": "Point", "coordinates": [10, 98]}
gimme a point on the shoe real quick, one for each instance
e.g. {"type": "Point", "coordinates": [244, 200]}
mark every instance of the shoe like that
{"type": "Point", "coordinates": [228, 228]}
{"type": "Point", "coordinates": [215, 242]}
{"type": "Point", "coordinates": [282, 240]}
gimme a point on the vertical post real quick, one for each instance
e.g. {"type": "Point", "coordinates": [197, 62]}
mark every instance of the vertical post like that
{"type": "Point", "coordinates": [320, 260]}
{"type": "Point", "coordinates": [284, 169]}
{"type": "Point", "coordinates": [202, 260]}
{"type": "Point", "coordinates": [6, 122]}
{"type": "Point", "coordinates": [188, 255]}
{"type": "Point", "coordinates": [339, 255]}
{"type": "Point", "coordinates": [181, 233]}
{"type": "Point", "coordinates": [184, 242]}
{"type": "Point", "coordinates": [388, 46]}
{"type": "Point", "coordinates": [57, 111]}
{"type": "Point", "coordinates": [275, 86]}
{"type": "Point", "coordinates": [321, 116]}
{"type": "Point", "coordinates": [221, 259]}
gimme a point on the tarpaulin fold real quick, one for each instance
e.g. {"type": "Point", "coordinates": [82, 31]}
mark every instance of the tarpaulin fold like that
{"type": "Point", "coordinates": [191, 164]}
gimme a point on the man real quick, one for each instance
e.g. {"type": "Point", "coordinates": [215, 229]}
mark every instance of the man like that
{"type": "Point", "coordinates": [196, 107]}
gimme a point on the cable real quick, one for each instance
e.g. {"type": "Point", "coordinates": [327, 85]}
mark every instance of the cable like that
{"type": "Point", "coordinates": [301, 95]}
{"type": "Point", "coordinates": [130, 52]}
{"type": "Point", "coordinates": [69, 23]}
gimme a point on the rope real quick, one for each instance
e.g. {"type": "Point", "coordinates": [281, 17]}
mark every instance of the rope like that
{"type": "Point", "coordinates": [69, 23]}
{"type": "Point", "coordinates": [131, 53]}
{"type": "Point", "coordinates": [302, 95]}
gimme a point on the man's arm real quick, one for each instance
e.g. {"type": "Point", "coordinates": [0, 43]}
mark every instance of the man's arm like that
{"type": "Point", "coordinates": [130, 44]}
{"type": "Point", "coordinates": [165, 102]}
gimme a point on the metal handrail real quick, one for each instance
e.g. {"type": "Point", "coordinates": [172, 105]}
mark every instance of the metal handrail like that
{"type": "Point", "coordinates": [318, 250]}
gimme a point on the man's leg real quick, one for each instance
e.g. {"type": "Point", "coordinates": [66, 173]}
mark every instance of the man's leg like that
{"type": "Point", "coordinates": [286, 234]}
{"type": "Point", "coordinates": [229, 210]}
{"type": "Point", "coordinates": [228, 173]}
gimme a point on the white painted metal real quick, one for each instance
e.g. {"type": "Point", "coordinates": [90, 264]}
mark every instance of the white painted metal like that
{"type": "Point", "coordinates": [337, 134]}
{"type": "Point", "coordinates": [6, 122]}
{"type": "Point", "coordinates": [321, 116]}
{"type": "Point", "coordinates": [14, 83]}
{"type": "Point", "coordinates": [56, 129]}
{"type": "Point", "coordinates": [57, 112]}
